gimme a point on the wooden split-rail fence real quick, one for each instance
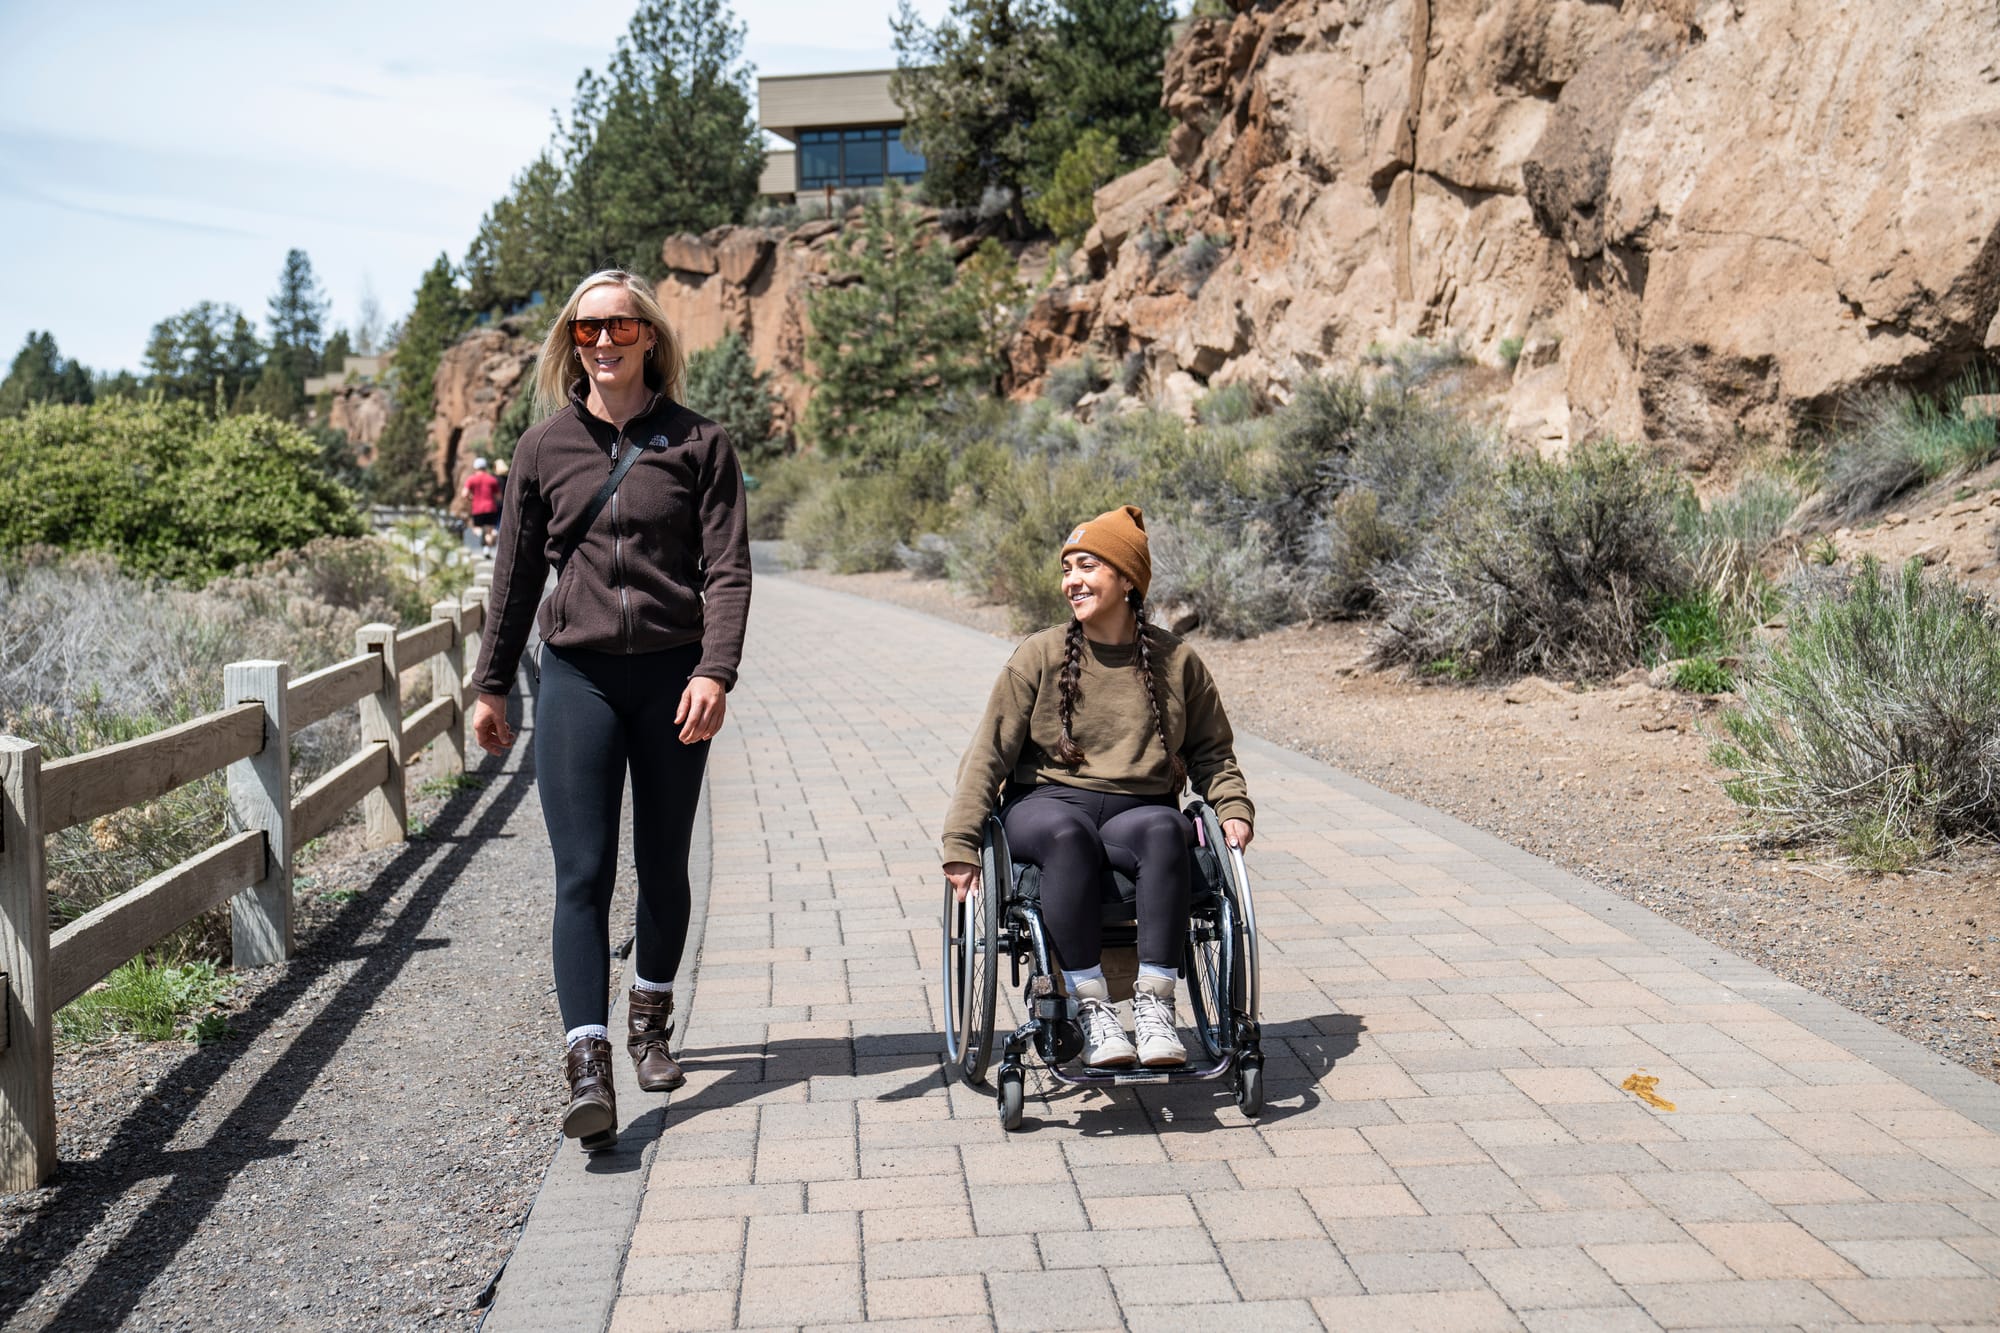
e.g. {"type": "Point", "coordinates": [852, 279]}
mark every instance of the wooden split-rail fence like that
{"type": "Point", "coordinates": [250, 737]}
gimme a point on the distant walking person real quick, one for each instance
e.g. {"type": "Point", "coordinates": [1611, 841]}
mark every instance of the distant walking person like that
{"type": "Point", "coordinates": [482, 496]}
{"type": "Point", "coordinates": [637, 503]}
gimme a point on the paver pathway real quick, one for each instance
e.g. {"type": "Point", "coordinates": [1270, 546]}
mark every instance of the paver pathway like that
{"type": "Point", "coordinates": [1446, 1143]}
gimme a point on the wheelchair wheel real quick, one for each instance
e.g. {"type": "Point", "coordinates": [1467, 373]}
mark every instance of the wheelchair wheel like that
{"type": "Point", "coordinates": [1250, 1090]}
{"type": "Point", "coordinates": [1215, 979]}
{"type": "Point", "coordinates": [1012, 1095]}
{"type": "Point", "coordinates": [971, 974]}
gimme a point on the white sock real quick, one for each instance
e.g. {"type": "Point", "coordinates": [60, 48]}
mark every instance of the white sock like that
{"type": "Point", "coordinates": [1166, 974]}
{"type": "Point", "coordinates": [1071, 979]}
{"type": "Point", "coordinates": [663, 987]}
{"type": "Point", "coordinates": [597, 1030]}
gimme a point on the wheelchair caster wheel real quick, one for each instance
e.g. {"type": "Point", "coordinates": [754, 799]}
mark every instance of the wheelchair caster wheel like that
{"type": "Point", "coordinates": [1250, 1090]}
{"type": "Point", "coordinates": [1010, 1097]}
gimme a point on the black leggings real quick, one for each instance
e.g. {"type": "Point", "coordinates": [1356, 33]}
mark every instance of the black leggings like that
{"type": "Point", "coordinates": [1071, 834]}
{"type": "Point", "coordinates": [596, 714]}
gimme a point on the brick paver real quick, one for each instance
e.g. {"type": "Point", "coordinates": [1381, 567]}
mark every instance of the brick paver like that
{"type": "Point", "coordinates": [1445, 1142]}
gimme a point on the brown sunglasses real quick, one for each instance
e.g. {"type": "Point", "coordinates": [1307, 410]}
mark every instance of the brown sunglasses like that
{"type": "Point", "coordinates": [624, 330]}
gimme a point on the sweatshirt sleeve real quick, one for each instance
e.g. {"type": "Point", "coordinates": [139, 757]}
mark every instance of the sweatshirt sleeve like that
{"type": "Point", "coordinates": [725, 550]}
{"type": "Point", "coordinates": [1209, 748]}
{"type": "Point", "coordinates": [989, 757]}
{"type": "Point", "coordinates": [520, 567]}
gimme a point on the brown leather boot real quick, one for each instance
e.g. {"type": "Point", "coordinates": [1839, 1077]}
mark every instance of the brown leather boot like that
{"type": "Point", "coordinates": [648, 1030]}
{"type": "Point", "coordinates": [593, 1106]}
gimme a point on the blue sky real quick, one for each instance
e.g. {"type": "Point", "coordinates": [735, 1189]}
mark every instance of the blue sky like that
{"type": "Point", "coordinates": [153, 156]}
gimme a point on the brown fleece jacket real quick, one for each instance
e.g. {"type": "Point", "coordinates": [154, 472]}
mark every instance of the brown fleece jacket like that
{"type": "Point", "coordinates": [1016, 740]}
{"type": "Point", "coordinates": [666, 563]}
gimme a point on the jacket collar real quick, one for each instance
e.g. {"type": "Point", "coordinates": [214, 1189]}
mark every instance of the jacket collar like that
{"type": "Point", "coordinates": [579, 398]}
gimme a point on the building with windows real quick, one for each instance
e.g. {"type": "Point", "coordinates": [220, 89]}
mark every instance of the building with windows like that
{"type": "Point", "coordinates": [846, 132]}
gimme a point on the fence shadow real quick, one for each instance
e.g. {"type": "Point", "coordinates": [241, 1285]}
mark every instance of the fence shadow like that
{"type": "Point", "coordinates": [197, 1177]}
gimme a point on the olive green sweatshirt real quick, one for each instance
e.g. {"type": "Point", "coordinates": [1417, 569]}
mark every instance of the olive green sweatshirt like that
{"type": "Point", "coordinates": [1016, 739]}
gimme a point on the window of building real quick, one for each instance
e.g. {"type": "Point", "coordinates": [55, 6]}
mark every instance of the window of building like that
{"type": "Point", "coordinates": [855, 157]}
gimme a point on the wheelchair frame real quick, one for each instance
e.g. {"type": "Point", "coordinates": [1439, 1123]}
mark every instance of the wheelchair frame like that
{"type": "Point", "coordinates": [1219, 964]}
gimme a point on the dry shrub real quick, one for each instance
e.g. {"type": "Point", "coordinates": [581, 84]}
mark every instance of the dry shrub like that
{"type": "Point", "coordinates": [1554, 570]}
{"type": "Point", "coordinates": [91, 657]}
{"type": "Point", "coordinates": [1876, 724]}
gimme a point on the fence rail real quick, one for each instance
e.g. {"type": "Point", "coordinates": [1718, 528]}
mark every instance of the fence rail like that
{"type": "Point", "coordinates": [249, 739]}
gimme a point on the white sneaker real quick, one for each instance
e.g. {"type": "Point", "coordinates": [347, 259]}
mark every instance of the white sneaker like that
{"type": "Point", "coordinates": [1153, 1017]}
{"type": "Point", "coordinates": [1104, 1042]}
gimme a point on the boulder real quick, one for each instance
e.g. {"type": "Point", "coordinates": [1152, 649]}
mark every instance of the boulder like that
{"type": "Point", "coordinates": [687, 254]}
{"type": "Point", "coordinates": [1124, 205]}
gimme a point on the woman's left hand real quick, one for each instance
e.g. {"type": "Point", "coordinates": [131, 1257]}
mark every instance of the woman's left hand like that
{"type": "Point", "coordinates": [1236, 833]}
{"type": "Point", "coordinates": [703, 704]}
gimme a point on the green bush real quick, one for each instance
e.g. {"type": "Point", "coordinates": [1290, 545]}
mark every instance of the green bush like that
{"type": "Point", "coordinates": [1067, 383]}
{"type": "Point", "coordinates": [165, 489]}
{"type": "Point", "coordinates": [1510, 351]}
{"type": "Point", "coordinates": [780, 484]}
{"type": "Point", "coordinates": [724, 385]}
{"type": "Point", "coordinates": [1226, 406]}
{"type": "Point", "coordinates": [1551, 570]}
{"type": "Point", "coordinates": [1876, 724]}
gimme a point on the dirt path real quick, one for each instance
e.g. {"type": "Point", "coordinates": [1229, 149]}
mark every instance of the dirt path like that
{"type": "Point", "coordinates": [1615, 785]}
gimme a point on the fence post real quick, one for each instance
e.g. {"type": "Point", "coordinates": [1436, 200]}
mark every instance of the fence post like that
{"type": "Point", "coordinates": [260, 797]}
{"type": "Point", "coordinates": [448, 682]}
{"type": "Point", "coordinates": [385, 809]}
{"type": "Point", "coordinates": [27, 1045]}
{"type": "Point", "coordinates": [473, 596]}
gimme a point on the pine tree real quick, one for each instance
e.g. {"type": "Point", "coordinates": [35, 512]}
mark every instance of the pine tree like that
{"type": "Point", "coordinates": [41, 374]}
{"type": "Point", "coordinates": [974, 88]}
{"type": "Point", "coordinates": [207, 354]}
{"type": "Point", "coordinates": [297, 317]}
{"type": "Point", "coordinates": [888, 336]}
{"type": "Point", "coordinates": [1108, 67]}
{"type": "Point", "coordinates": [678, 148]}
{"type": "Point", "coordinates": [333, 357]}
{"type": "Point", "coordinates": [402, 472]}
{"type": "Point", "coordinates": [724, 385]}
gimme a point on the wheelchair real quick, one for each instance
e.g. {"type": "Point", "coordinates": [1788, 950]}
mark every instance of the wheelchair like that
{"type": "Point", "coordinates": [1003, 919]}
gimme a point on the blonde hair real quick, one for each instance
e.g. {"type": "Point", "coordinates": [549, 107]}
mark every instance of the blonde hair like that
{"type": "Point", "coordinates": [559, 370]}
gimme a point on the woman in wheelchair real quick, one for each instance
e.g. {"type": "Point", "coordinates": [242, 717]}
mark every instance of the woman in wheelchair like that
{"type": "Point", "coordinates": [1092, 730]}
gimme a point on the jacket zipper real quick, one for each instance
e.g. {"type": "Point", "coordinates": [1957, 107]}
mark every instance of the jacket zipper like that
{"type": "Point", "coordinates": [618, 567]}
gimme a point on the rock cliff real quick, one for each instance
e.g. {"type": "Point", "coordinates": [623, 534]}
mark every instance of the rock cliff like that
{"type": "Point", "coordinates": [478, 378]}
{"type": "Point", "coordinates": [1700, 220]}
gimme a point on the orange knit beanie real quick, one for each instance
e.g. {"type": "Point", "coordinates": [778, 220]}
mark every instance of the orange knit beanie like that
{"type": "Point", "coordinates": [1118, 538]}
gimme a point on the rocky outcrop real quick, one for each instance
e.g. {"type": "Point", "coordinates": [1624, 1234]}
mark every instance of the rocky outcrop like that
{"type": "Point", "coordinates": [360, 410]}
{"type": "Point", "coordinates": [755, 282]}
{"type": "Point", "coordinates": [478, 378]}
{"type": "Point", "coordinates": [1702, 219]}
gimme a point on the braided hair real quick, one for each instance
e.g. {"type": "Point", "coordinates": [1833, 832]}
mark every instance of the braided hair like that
{"type": "Point", "coordinates": [1069, 687]}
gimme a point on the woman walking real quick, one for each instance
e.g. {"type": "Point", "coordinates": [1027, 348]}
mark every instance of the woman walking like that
{"type": "Point", "coordinates": [637, 503]}
{"type": "Point", "coordinates": [1094, 728]}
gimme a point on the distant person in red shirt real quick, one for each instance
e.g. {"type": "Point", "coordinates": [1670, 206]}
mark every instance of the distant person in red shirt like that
{"type": "Point", "coordinates": [482, 493]}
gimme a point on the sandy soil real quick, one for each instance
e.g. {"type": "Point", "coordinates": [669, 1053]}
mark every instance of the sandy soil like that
{"type": "Point", "coordinates": [1615, 785]}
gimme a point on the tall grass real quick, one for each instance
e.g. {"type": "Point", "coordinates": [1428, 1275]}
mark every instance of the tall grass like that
{"type": "Point", "coordinates": [1893, 441]}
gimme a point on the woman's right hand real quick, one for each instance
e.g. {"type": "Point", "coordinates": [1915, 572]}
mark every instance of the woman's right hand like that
{"type": "Point", "coordinates": [964, 877]}
{"type": "Point", "coordinates": [489, 723]}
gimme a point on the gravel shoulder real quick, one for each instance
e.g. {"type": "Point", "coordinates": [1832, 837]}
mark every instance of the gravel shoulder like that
{"type": "Point", "coordinates": [1615, 785]}
{"type": "Point", "coordinates": [361, 1150]}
